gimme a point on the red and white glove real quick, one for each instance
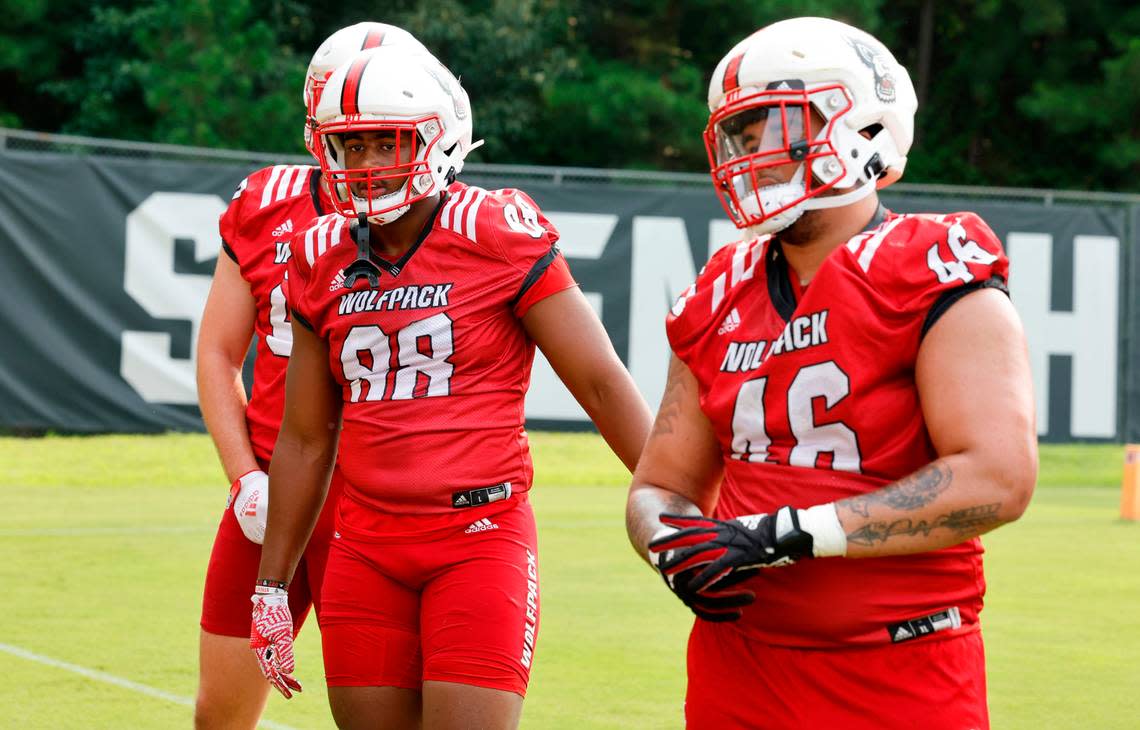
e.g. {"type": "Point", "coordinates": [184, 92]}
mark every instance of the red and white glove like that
{"type": "Point", "coordinates": [271, 638]}
{"type": "Point", "coordinates": [249, 497]}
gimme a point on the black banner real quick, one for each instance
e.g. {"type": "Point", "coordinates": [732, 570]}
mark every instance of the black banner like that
{"type": "Point", "coordinates": [107, 262]}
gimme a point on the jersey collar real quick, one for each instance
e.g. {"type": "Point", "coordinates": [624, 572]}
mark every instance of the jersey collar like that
{"type": "Point", "coordinates": [394, 269]}
{"type": "Point", "coordinates": [780, 289]}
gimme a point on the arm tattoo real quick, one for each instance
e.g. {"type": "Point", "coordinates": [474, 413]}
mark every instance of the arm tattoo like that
{"type": "Point", "coordinates": [675, 393]}
{"type": "Point", "coordinates": [641, 518]}
{"type": "Point", "coordinates": [963, 523]}
{"type": "Point", "coordinates": [907, 494]}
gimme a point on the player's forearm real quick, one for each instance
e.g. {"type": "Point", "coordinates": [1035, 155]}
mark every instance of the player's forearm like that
{"type": "Point", "coordinates": [621, 415]}
{"type": "Point", "coordinates": [950, 500]}
{"type": "Point", "coordinates": [643, 510]}
{"type": "Point", "coordinates": [298, 483]}
{"type": "Point", "coordinates": [221, 398]}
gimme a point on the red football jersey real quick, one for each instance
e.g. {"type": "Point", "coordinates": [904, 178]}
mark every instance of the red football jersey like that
{"type": "Point", "coordinates": [434, 364]}
{"type": "Point", "coordinates": [812, 395]}
{"type": "Point", "coordinates": [268, 208]}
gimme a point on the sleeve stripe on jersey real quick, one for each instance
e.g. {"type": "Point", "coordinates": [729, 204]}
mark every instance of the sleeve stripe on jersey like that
{"type": "Point", "coordinates": [332, 238]}
{"type": "Point", "coordinates": [267, 191]}
{"type": "Point", "coordinates": [459, 213]}
{"type": "Point", "coordinates": [469, 225]}
{"type": "Point", "coordinates": [310, 241]}
{"type": "Point", "coordinates": [286, 181]}
{"type": "Point", "coordinates": [287, 177]}
{"type": "Point", "coordinates": [321, 237]}
{"type": "Point", "coordinates": [299, 183]}
{"type": "Point", "coordinates": [445, 214]}
{"type": "Point", "coordinates": [876, 240]}
{"type": "Point", "coordinates": [741, 271]}
{"type": "Point", "coordinates": [535, 273]}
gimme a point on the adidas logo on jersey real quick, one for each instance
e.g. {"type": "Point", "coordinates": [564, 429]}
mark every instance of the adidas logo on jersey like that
{"type": "Point", "coordinates": [731, 322]}
{"type": "Point", "coordinates": [283, 229]}
{"type": "Point", "coordinates": [338, 281]}
{"type": "Point", "coordinates": [481, 526]}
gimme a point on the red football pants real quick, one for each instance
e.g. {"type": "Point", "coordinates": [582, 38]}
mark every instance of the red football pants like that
{"type": "Point", "coordinates": [737, 682]}
{"type": "Point", "coordinates": [452, 598]}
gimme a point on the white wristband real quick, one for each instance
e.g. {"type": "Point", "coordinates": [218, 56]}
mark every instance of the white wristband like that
{"type": "Point", "coordinates": [822, 523]}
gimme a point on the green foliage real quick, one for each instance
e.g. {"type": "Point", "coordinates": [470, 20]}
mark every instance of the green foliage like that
{"type": "Point", "coordinates": [199, 72]}
{"type": "Point", "coordinates": [612, 111]}
{"type": "Point", "coordinates": [1021, 93]}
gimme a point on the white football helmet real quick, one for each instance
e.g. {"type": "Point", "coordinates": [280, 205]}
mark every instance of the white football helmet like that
{"type": "Point", "coordinates": [409, 95]}
{"type": "Point", "coordinates": [813, 92]}
{"type": "Point", "coordinates": [338, 48]}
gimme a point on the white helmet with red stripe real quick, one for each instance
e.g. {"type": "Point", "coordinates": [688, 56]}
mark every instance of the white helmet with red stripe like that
{"type": "Point", "coordinates": [409, 95]}
{"type": "Point", "coordinates": [810, 92]}
{"type": "Point", "coordinates": [338, 48]}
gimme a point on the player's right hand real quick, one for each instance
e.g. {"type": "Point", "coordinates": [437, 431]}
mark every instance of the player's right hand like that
{"type": "Point", "coordinates": [249, 497]}
{"type": "Point", "coordinates": [721, 604]}
{"type": "Point", "coordinates": [271, 638]}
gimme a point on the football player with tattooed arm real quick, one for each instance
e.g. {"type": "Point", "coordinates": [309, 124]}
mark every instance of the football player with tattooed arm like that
{"type": "Point", "coordinates": [247, 298]}
{"type": "Point", "coordinates": [416, 309]}
{"type": "Point", "coordinates": [848, 408]}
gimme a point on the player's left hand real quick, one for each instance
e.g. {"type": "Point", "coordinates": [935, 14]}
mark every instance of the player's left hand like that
{"type": "Point", "coordinates": [271, 638]}
{"type": "Point", "coordinates": [727, 551]}
{"type": "Point", "coordinates": [249, 498]}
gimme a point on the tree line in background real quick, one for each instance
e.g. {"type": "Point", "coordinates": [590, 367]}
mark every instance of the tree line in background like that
{"type": "Point", "coordinates": [1034, 93]}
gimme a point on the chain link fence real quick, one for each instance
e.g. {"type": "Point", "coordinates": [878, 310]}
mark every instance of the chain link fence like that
{"type": "Point", "coordinates": [15, 140]}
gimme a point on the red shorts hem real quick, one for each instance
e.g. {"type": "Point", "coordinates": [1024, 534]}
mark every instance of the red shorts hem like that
{"type": "Point", "coordinates": [516, 686]}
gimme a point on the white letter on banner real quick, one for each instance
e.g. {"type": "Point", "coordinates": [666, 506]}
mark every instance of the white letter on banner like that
{"type": "Point", "coordinates": [661, 269]}
{"type": "Point", "coordinates": [151, 281]}
{"type": "Point", "coordinates": [722, 233]}
{"type": "Point", "coordinates": [1088, 333]}
{"type": "Point", "coordinates": [582, 236]}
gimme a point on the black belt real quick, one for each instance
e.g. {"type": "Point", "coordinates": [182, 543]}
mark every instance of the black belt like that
{"type": "Point", "coordinates": [916, 628]}
{"type": "Point", "coordinates": [480, 495]}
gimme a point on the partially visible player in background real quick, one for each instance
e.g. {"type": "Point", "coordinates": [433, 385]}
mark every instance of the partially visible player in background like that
{"type": "Point", "coordinates": [846, 383]}
{"type": "Point", "coordinates": [246, 298]}
{"type": "Point", "coordinates": [417, 308]}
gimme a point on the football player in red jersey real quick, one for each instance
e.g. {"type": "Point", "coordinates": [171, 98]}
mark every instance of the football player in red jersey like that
{"type": "Point", "coordinates": [848, 408]}
{"type": "Point", "coordinates": [416, 310]}
{"type": "Point", "coordinates": [247, 297]}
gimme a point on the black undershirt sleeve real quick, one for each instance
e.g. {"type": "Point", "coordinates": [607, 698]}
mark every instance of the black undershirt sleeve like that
{"type": "Point", "coordinates": [304, 322]}
{"type": "Point", "coordinates": [536, 271]}
{"type": "Point", "coordinates": [944, 302]}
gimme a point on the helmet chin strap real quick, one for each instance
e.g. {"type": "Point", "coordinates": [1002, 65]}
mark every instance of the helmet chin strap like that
{"type": "Point", "coordinates": [820, 202]}
{"type": "Point", "coordinates": [773, 195]}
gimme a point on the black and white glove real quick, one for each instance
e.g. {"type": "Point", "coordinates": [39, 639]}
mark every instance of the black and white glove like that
{"type": "Point", "coordinates": [702, 558]}
{"type": "Point", "coordinates": [722, 604]}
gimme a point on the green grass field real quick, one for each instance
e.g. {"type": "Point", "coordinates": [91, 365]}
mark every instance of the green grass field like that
{"type": "Point", "coordinates": [105, 541]}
